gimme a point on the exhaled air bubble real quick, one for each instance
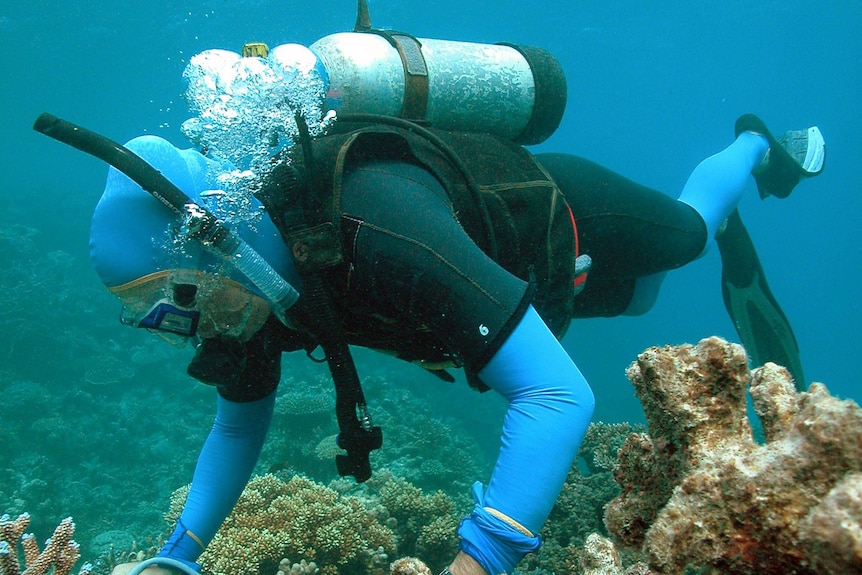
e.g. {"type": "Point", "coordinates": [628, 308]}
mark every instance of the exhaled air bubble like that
{"type": "Point", "coordinates": [243, 113]}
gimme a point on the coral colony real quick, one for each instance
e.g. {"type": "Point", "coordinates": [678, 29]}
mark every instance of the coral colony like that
{"type": "Point", "coordinates": [698, 491]}
{"type": "Point", "coordinates": [692, 491]}
{"type": "Point", "coordinates": [59, 555]}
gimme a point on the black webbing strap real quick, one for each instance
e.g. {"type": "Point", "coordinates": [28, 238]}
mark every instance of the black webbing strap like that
{"type": "Point", "coordinates": [415, 77]}
{"type": "Point", "coordinates": [315, 312]}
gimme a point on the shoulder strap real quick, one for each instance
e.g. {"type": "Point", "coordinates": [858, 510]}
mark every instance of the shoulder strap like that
{"type": "Point", "coordinates": [313, 249]}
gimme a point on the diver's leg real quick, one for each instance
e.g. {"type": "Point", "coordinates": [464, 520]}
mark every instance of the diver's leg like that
{"type": "Point", "coordinates": [758, 318]}
{"type": "Point", "coordinates": [635, 234]}
{"type": "Point", "coordinates": [629, 230]}
{"type": "Point", "coordinates": [716, 185]}
{"type": "Point", "coordinates": [713, 189]}
{"type": "Point", "coordinates": [778, 164]}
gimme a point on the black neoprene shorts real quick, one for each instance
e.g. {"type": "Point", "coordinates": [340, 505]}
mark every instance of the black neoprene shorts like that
{"type": "Point", "coordinates": [628, 230]}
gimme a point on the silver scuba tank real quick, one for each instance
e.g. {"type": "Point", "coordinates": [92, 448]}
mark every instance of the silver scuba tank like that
{"type": "Point", "coordinates": [515, 92]}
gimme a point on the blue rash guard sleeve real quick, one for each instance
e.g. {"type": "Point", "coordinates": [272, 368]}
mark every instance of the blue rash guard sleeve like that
{"type": "Point", "coordinates": [223, 470]}
{"type": "Point", "coordinates": [715, 187]}
{"type": "Point", "coordinates": [550, 407]}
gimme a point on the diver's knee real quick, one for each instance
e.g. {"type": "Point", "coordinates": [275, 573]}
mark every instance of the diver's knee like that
{"type": "Point", "coordinates": [645, 294]}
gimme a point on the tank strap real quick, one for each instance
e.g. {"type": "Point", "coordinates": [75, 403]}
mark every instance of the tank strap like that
{"type": "Point", "coordinates": [415, 73]}
{"type": "Point", "coordinates": [415, 70]}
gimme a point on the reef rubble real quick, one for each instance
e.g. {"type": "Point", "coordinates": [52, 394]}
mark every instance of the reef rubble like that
{"type": "Point", "coordinates": [697, 490]}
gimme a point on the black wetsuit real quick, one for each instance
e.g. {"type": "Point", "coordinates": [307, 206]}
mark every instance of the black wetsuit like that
{"type": "Point", "coordinates": [414, 282]}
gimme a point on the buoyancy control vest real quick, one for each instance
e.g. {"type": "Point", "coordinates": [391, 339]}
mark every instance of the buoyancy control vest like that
{"type": "Point", "coordinates": [505, 201]}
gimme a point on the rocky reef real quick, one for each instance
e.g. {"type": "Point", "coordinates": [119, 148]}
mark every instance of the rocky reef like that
{"type": "Point", "coordinates": [697, 491]}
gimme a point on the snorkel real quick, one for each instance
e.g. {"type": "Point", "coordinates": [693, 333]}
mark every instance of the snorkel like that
{"type": "Point", "coordinates": [199, 223]}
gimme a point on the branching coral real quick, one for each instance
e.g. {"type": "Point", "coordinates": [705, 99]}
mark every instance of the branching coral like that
{"type": "Point", "coordinates": [409, 566]}
{"type": "Point", "coordinates": [297, 518]}
{"type": "Point", "coordinates": [305, 398]}
{"type": "Point", "coordinates": [425, 524]}
{"type": "Point", "coordinates": [698, 491]}
{"type": "Point", "coordinates": [602, 442]}
{"type": "Point", "coordinates": [60, 552]}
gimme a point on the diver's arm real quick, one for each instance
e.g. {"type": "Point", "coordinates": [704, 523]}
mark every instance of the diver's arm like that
{"type": "Point", "coordinates": [223, 469]}
{"type": "Point", "coordinates": [550, 406]}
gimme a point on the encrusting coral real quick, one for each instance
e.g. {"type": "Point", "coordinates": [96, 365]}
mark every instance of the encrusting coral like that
{"type": "Point", "coordinates": [60, 552]}
{"type": "Point", "coordinates": [699, 491]}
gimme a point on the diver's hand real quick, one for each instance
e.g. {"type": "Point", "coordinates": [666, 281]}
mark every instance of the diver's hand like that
{"type": "Point", "coordinates": [124, 568]}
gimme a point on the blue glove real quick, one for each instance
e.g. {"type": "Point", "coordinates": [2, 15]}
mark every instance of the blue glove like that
{"type": "Point", "coordinates": [494, 543]}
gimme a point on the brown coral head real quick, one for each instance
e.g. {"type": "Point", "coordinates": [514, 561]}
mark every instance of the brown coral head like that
{"type": "Point", "coordinates": [694, 396]}
{"type": "Point", "coordinates": [409, 566]}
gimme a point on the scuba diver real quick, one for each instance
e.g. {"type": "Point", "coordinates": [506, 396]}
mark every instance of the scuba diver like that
{"type": "Point", "coordinates": [447, 248]}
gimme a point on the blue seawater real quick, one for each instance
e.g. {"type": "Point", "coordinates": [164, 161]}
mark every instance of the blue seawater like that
{"type": "Point", "coordinates": [654, 87]}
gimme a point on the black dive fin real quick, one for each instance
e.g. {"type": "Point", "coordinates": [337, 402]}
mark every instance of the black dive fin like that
{"type": "Point", "coordinates": [761, 324]}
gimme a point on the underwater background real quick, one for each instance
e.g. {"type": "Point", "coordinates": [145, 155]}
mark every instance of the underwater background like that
{"type": "Point", "coordinates": [101, 422]}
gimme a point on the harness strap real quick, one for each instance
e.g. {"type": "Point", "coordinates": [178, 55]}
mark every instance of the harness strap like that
{"type": "Point", "coordinates": [315, 248]}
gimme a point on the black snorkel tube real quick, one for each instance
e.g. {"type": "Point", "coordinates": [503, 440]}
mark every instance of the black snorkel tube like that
{"type": "Point", "coordinates": [200, 223]}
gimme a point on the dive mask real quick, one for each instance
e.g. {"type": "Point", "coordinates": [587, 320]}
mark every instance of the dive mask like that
{"type": "Point", "coordinates": [182, 304]}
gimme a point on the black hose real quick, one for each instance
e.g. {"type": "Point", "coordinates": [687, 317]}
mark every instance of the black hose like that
{"type": "Point", "coordinates": [211, 231]}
